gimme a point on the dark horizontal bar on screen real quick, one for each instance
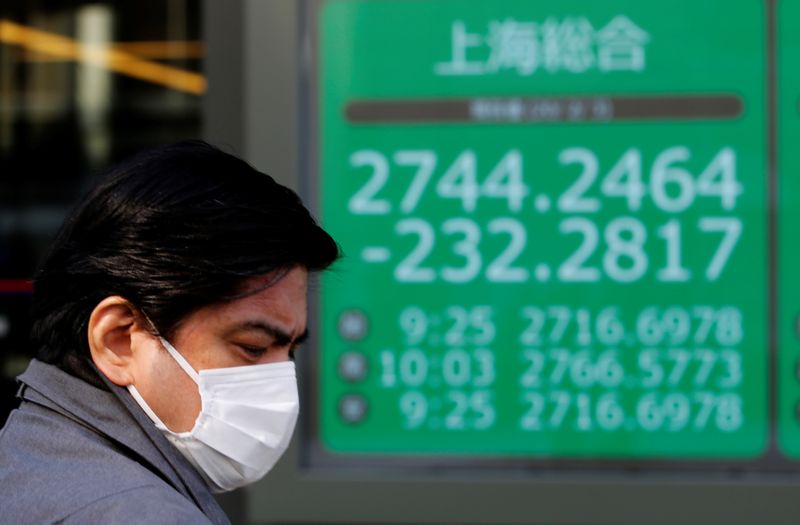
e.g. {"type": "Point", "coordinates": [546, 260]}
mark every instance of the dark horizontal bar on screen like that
{"type": "Point", "coordinates": [545, 109]}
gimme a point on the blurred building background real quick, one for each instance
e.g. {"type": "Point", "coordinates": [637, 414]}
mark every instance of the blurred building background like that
{"type": "Point", "coordinates": [82, 85]}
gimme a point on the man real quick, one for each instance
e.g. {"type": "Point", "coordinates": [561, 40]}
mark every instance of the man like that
{"type": "Point", "coordinates": [165, 317]}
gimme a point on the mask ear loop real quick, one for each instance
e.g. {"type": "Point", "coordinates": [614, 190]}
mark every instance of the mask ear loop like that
{"type": "Point", "coordinates": [147, 410]}
{"type": "Point", "coordinates": [182, 362]}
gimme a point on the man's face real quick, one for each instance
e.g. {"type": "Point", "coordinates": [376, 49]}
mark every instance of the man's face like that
{"type": "Point", "coordinates": [260, 328]}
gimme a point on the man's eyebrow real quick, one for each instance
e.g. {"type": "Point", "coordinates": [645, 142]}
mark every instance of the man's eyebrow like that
{"type": "Point", "coordinates": [281, 337]}
{"type": "Point", "coordinates": [302, 338]}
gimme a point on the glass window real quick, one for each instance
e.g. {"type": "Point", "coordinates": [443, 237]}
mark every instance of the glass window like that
{"type": "Point", "coordinates": [82, 85]}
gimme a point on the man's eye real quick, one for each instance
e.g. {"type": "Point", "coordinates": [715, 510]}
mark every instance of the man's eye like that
{"type": "Point", "coordinates": [254, 351]}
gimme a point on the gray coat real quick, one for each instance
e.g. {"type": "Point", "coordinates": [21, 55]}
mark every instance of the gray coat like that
{"type": "Point", "coordinates": [74, 453]}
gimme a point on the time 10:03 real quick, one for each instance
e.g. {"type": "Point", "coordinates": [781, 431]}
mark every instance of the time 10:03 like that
{"type": "Point", "coordinates": [456, 368]}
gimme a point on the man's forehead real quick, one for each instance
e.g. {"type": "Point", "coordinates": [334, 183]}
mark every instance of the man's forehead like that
{"type": "Point", "coordinates": [296, 277]}
{"type": "Point", "coordinates": [276, 303]}
{"type": "Point", "coordinates": [257, 284]}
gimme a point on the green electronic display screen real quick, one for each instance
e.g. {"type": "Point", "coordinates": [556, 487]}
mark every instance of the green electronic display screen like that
{"type": "Point", "coordinates": [788, 278]}
{"type": "Point", "coordinates": [567, 226]}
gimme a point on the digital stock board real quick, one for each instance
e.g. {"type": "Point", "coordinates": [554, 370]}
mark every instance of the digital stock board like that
{"type": "Point", "coordinates": [568, 231]}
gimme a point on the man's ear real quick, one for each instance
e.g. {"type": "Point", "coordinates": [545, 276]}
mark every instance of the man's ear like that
{"type": "Point", "coordinates": [111, 327]}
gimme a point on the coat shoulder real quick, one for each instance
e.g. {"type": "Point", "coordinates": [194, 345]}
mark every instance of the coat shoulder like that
{"type": "Point", "coordinates": [54, 469]}
{"type": "Point", "coordinates": [140, 505]}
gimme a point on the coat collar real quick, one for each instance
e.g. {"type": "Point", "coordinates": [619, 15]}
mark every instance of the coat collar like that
{"type": "Point", "coordinates": [115, 415]}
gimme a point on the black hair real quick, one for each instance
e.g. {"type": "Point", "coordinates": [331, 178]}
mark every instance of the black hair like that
{"type": "Point", "coordinates": [171, 230]}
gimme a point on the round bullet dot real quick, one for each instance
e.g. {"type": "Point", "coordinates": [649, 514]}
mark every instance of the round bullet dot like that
{"type": "Point", "coordinates": [353, 366]}
{"type": "Point", "coordinates": [353, 325]}
{"type": "Point", "coordinates": [353, 408]}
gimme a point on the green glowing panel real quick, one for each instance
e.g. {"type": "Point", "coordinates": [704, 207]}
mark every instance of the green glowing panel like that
{"type": "Point", "coordinates": [788, 381]}
{"type": "Point", "coordinates": [554, 221]}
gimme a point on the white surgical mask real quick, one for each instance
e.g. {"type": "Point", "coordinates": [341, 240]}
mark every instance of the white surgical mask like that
{"type": "Point", "coordinates": [247, 418]}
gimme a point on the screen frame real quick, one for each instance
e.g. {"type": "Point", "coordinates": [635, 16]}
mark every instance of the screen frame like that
{"type": "Point", "coordinates": [316, 456]}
